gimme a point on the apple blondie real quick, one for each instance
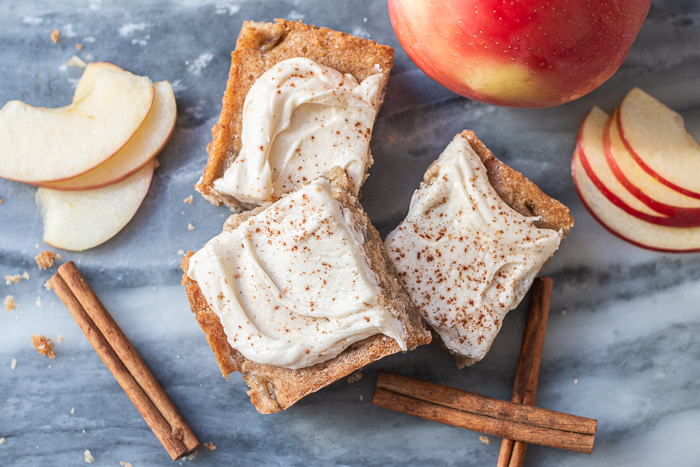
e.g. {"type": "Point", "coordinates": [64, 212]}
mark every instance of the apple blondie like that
{"type": "Point", "coordinates": [476, 235]}
{"type": "Point", "coordinates": [299, 293]}
{"type": "Point", "coordinates": [289, 79]}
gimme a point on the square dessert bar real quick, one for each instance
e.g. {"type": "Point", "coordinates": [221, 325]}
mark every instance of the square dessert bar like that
{"type": "Point", "coordinates": [260, 46]}
{"type": "Point", "coordinates": [299, 293]}
{"type": "Point", "coordinates": [476, 235]}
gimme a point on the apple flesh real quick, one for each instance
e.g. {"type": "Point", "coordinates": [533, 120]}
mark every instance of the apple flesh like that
{"type": "Point", "coordinates": [589, 145]}
{"type": "Point", "coordinates": [78, 220]}
{"type": "Point", "coordinates": [519, 54]}
{"type": "Point", "coordinates": [656, 138]}
{"type": "Point", "coordinates": [139, 151]}
{"type": "Point", "coordinates": [39, 144]}
{"type": "Point", "coordinates": [628, 227]}
{"type": "Point", "coordinates": [641, 184]}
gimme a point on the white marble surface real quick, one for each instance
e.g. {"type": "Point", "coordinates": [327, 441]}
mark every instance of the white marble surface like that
{"type": "Point", "coordinates": [626, 351]}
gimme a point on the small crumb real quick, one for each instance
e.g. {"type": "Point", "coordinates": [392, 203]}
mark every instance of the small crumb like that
{"type": "Point", "coordinates": [180, 252]}
{"type": "Point", "coordinates": [210, 446]}
{"type": "Point", "coordinates": [50, 366]}
{"type": "Point", "coordinates": [575, 381]}
{"type": "Point", "coordinates": [52, 304]}
{"type": "Point", "coordinates": [79, 46]}
{"type": "Point", "coordinates": [43, 345]}
{"type": "Point", "coordinates": [355, 377]}
{"type": "Point", "coordinates": [10, 278]}
{"type": "Point", "coordinates": [76, 62]}
{"type": "Point", "coordinates": [563, 312]}
{"type": "Point", "coordinates": [60, 337]}
{"type": "Point", "coordinates": [25, 275]}
{"type": "Point", "coordinates": [360, 397]}
{"type": "Point", "coordinates": [72, 411]}
{"type": "Point", "coordinates": [38, 302]}
{"type": "Point", "coordinates": [2, 440]}
{"type": "Point", "coordinates": [484, 439]}
{"type": "Point", "coordinates": [192, 456]}
{"type": "Point", "coordinates": [1, 203]}
{"type": "Point", "coordinates": [125, 464]}
{"type": "Point", "coordinates": [88, 457]}
{"type": "Point", "coordinates": [47, 286]}
{"type": "Point", "coordinates": [54, 35]}
{"type": "Point", "coordinates": [13, 363]}
{"type": "Point", "coordinates": [156, 164]}
{"type": "Point", "coordinates": [364, 20]}
{"type": "Point", "coordinates": [188, 200]}
{"type": "Point", "coordinates": [83, 431]}
{"type": "Point", "coordinates": [9, 303]}
{"type": "Point", "coordinates": [190, 227]}
{"type": "Point", "coordinates": [391, 140]}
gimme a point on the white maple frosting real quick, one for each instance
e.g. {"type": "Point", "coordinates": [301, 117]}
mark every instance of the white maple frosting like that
{"type": "Point", "coordinates": [291, 285]}
{"type": "Point", "coordinates": [300, 119]}
{"type": "Point", "coordinates": [464, 256]}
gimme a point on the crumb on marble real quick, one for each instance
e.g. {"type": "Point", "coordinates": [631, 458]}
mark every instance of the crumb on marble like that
{"type": "Point", "coordinates": [38, 302]}
{"type": "Point", "coordinates": [76, 62]}
{"type": "Point", "coordinates": [13, 364]}
{"type": "Point", "coordinates": [9, 303]}
{"type": "Point", "coordinates": [211, 446]}
{"type": "Point", "coordinates": [181, 252]}
{"type": "Point", "coordinates": [2, 440]}
{"type": "Point", "coordinates": [484, 439]}
{"type": "Point", "coordinates": [88, 456]}
{"type": "Point", "coordinates": [391, 140]}
{"type": "Point", "coordinates": [192, 456]}
{"type": "Point", "coordinates": [54, 35]}
{"type": "Point", "coordinates": [47, 286]}
{"type": "Point", "coordinates": [10, 278]}
{"type": "Point", "coordinates": [188, 200]}
{"type": "Point", "coordinates": [60, 337]}
{"type": "Point", "coordinates": [355, 377]}
{"type": "Point", "coordinates": [72, 410]}
{"type": "Point", "coordinates": [43, 345]}
{"type": "Point", "coordinates": [156, 164]}
{"type": "Point", "coordinates": [46, 259]}
{"type": "Point", "coordinates": [79, 46]}
{"type": "Point", "coordinates": [25, 275]}
{"type": "Point", "coordinates": [190, 227]}
{"type": "Point", "coordinates": [1, 203]}
{"type": "Point", "coordinates": [575, 381]}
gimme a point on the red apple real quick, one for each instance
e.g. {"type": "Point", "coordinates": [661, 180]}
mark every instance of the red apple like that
{"type": "Point", "coordinates": [531, 53]}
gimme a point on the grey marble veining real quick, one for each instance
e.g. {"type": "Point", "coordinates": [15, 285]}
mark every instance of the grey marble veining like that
{"type": "Point", "coordinates": [622, 343]}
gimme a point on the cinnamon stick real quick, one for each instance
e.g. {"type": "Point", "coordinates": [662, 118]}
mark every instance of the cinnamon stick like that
{"type": "Point", "coordinates": [123, 361]}
{"type": "Point", "coordinates": [484, 414]}
{"type": "Point", "coordinates": [512, 452]}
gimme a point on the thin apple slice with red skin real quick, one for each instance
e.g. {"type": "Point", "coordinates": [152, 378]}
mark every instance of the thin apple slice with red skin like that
{"type": "Point", "coordinates": [79, 220]}
{"type": "Point", "coordinates": [656, 138]}
{"type": "Point", "coordinates": [139, 151]}
{"type": "Point", "coordinates": [628, 227]}
{"type": "Point", "coordinates": [39, 144]}
{"type": "Point", "coordinates": [590, 147]}
{"type": "Point", "coordinates": [87, 80]}
{"type": "Point", "coordinates": [641, 184]}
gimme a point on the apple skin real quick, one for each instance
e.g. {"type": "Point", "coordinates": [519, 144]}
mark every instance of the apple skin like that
{"type": "Point", "coordinates": [686, 217]}
{"type": "Point", "coordinates": [531, 53]}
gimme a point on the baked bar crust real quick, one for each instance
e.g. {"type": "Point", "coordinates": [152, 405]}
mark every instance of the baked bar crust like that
{"type": "Point", "coordinates": [274, 388]}
{"type": "Point", "coordinates": [259, 47]}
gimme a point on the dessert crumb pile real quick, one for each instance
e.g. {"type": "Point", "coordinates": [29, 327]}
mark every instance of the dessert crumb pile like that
{"type": "Point", "coordinates": [43, 345]}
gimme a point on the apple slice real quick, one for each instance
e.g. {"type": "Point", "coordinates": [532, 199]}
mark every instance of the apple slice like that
{"type": "Point", "coordinates": [628, 227]}
{"type": "Point", "coordinates": [142, 148]}
{"type": "Point", "coordinates": [641, 184]}
{"type": "Point", "coordinates": [39, 144]}
{"type": "Point", "coordinates": [78, 220]}
{"type": "Point", "coordinates": [590, 147]}
{"type": "Point", "coordinates": [87, 80]}
{"type": "Point", "coordinates": [656, 138]}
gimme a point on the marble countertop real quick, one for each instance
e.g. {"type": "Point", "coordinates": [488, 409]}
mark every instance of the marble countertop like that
{"type": "Point", "coordinates": [622, 344]}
